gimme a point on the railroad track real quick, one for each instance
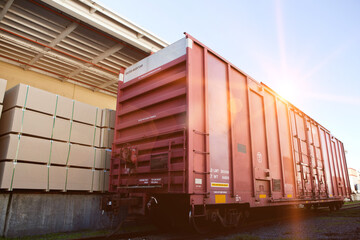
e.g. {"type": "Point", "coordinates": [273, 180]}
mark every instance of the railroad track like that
{"type": "Point", "coordinates": [254, 223]}
{"type": "Point", "coordinates": [353, 205]}
{"type": "Point", "coordinates": [120, 236]}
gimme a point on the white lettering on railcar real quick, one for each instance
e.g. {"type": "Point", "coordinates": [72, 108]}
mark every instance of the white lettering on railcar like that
{"type": "Point", "coordinates": [259, 157]}
{"type": "Point", "coordinates": [134, 69]}
{"type": "Point", "coordinates": [155, 181]}
{"type": "Point", "coordinates": [220, 192]}
{"type": "Point", "coordinates": [153, 64]}
{"type": "Point", "coordinates": [198, 181]}
{"type": "Point", "coordinates": [144, 181]}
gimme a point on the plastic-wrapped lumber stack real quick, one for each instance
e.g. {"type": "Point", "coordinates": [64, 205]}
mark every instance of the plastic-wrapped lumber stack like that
{"type": "Point", "coordinates": [50, 142]}
{"type": "Point", "coordinates": [107, 128]}
{"type": "Point", "coordinates": [106, 138]}
{"type": "Point", "coordinates": [2, 92]}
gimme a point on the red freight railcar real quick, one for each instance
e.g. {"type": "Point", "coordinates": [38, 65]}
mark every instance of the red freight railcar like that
{"type": "Point", "coordinates": [195, 133]}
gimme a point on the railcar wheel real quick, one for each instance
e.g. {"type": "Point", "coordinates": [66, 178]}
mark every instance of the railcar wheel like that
{"type": "Point", "coordinates": [331, 207]}
{"type": "Point", "coordinates": [308, 206]}
{"type": "Point", "coordinates": [316, 206]}
{"type": "Point", "coordinates": [337, 206]}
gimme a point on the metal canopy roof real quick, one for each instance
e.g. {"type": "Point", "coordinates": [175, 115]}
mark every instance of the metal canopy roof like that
{"type": "Point", "coordinates": [75, 41]}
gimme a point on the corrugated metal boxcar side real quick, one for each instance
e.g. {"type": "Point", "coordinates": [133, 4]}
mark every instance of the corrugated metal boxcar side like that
{"type": "Point", "coordinates": [188, 122]}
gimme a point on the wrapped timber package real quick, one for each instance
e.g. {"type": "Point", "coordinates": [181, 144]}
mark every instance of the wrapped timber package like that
{"type": "Point", "coordinates": [108, 118]}
{"type": "Point", "coordinates": [23, 175]}
{"type": "Point", "coordinates": [25, 96]}
{"type": "Point", "coordinates": [52, 152]}
{"type": "Point", "coordinates": [39, 113]}
{"type": "Point", "coordinates": [107, 128]}
{"type": "Point", "coordinates": [106, 139]}
{"type": "Point", "coordinates": [2, 92]}
{"type": "Point", "coordinates": [41, 177]}
{"type": "Point", "coordinates": [66, 136]}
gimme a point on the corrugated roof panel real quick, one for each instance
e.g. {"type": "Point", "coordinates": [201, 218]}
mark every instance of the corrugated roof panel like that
{"type": "Point", "coordinates": [64, 39]}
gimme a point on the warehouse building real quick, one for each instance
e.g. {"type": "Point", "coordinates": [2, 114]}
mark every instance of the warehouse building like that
{"type": "Point", "coordinates": [68, 57]}
{"type": "Point", "coordinates": [354, 176]}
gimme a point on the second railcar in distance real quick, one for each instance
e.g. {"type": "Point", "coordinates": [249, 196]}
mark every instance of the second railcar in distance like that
{"type": "Point", "coordinates": [196, 135]}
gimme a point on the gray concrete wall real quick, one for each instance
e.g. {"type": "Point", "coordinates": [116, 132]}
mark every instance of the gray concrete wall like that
{"type": "Point", "coordinates": [4, 199]}
{"type": "Point", "coordinates": [43, 213]}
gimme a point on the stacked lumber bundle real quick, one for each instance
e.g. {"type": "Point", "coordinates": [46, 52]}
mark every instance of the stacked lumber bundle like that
{"type": "Point", "coordinates": [107, 128]}
{"type": "Point", "coordinates": [49, 142]}
{"type": "Point", "coordinates": [106, 139]}
{"type": "Point", "coordinates": [2, 92]}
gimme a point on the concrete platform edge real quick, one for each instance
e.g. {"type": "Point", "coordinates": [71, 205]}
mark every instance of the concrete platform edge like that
{"type": "Point", "coordinates": [28, 214]}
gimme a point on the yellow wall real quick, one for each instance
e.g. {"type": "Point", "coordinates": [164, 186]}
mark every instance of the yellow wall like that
{"type": "Point", "coordinates": [15, 75]}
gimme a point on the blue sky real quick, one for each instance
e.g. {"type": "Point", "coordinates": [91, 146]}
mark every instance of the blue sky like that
{"type": "Point", "coordinates": [308, 51]}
